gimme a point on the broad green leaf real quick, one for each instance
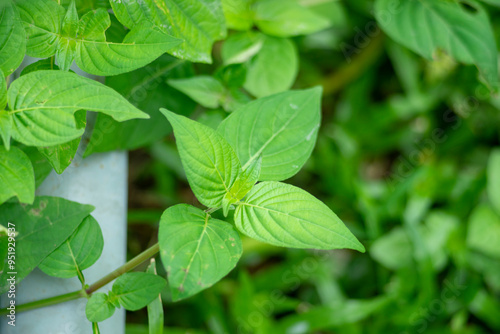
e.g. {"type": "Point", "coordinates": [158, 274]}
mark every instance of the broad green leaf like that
{"type": "Point", "coordinates": [61, 156]}
{"type": "Point", "coordinates": [425, 26]}
{"type": "Point", "coordinates": [155, 308]}
{"type": "Point", "coordinates": [42, 105]}
{"type": "Point", "coordinates": [243, 184]}
{"type": "Point", "coordinates": [196, 250]}
{"type": "Point", "coordinates": [42, 227]}
{"type": "Point", "coordinates": [209, 161]}
{"type": "Point", "coordinates": [484, 231]}
{"type": "Point", "coordinates": [81, 250]}
{"type": "Point", "coordinates": [146, 89]}
{"type": "Point", "coordinates": [204, 89]}
{"type": "Point", "coordinates": [241, 47]}
{"type": "Point", "coordinates": [274, 68]}
{"type": "Point", "coordinates": [42, 21]}
{"type": "Point", "coordinates": [12, 38]}
{"type": "Point", "coordinates": [199, 23]}
{"type": "Point", "coordinates": [91, 52]}
{"type": "Point", "coordinates": [284, 215]}
{"type": "Point", "coordinates": [99, 308]}
{"type": "Point", "coordinates": [238, 14]}
{"type": "Point", "coordinates": [136, 290]}
{"type": "Point", "coordinates": [16, 176]}
{"type": "Point", "coordinates": [142, 45]}
{"type": "Point", "coordinates": [282, 128]}
{"type": "Point", "coordinates": [42, 64]}
{"type": "Point", "coordinates": [285, 18]}
{"type": "Point", "coordinates": [493, 186]}
{"type": "Point", "coordinates": [41, 166]}
{"type": "Point", "coordinates": [83, 6]}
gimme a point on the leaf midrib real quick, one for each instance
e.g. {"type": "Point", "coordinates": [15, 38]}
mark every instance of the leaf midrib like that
{"type": "Point", "coordinates": [295, 217]}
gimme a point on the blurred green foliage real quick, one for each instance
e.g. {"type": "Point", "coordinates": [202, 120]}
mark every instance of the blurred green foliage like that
{"type": "Point", "coordinates": [408, 156]}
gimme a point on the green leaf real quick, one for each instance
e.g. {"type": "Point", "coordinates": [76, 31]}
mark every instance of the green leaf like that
{"type": "Point", "coordinates": [41, 166]}
{"type": "Point", "coordinates": [42, 227]}
{"type": "Point", "coordinates": [61, 156]}
{"type": "Point", "coordinates": [155, 308]}
{"type": "Point", "coordinates": [42, 105]}
{"type": "Point", "coordinates": [394, 249]}
{"type": "Point", "coordinates": [282, 128]}
{"type": "Point", "coordinates": [199, 23]}
{"type": "Point", "coordinates": [16, 176]}
{"type": "Point", "coordinates": [484, 231]}
{"type": "Point", "coordinates": [425, 26]}
{"type": "Point", "coordinates": [99, 308]}
{"type": "Point", "coordinates": [69, 26]}
{"type": "Point", "coordinates": [136, 290]}
{"type": "Point", "coordinates": [274, 68]}
{"type": "Point", "coordinates": [42, 64]}
{"type": "Point", "coordinates": [4, 249]}
{"type": "Point", "coordinates": [91, 51]}
{"type": "Point", "coordinates": [196, 250]}
{"type": "Point", "coordinates": [42, 21]}
{"type": "Point", "coordinates": [241, 47]}
{"type": "Point", "coordinates": [232, 76]}
{"type": "Point", "coordinates": [66, 48]}
{"type": "Point", "coordinates": [147, 90]}
{"type": "Point", "coordinates": [3, 92]}
{"type": "Point", "coordinates": [238, 14]}
{"type": "Point", "coordinates": [493, 186]}
{"type": "Point", "coordinates": [285, 18]}
{"type": "Point", "coordinates": [5, 127]}
{"type": "Point", "coordinates": [80, 251]}
{"type": "Point", "coordinates": [283, 215]}
{"type": "Point", "coordinates": [12, 38]}
{"type": "Point", "coordinates": [142, 45]}
{"type": "Point", "coordinates": [204, 89]}
{"type": "Point", "coordinates": [209, 161]}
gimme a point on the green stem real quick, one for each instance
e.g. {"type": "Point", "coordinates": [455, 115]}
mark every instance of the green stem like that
{"type": "Point", "coordinates": [355, 68]}
{"type": "Point", "coordinates": [212, 210]}
{"type": "Point", "coordinates": [46, 302]}
{"type": "Point", "coordinates": [144, 256]}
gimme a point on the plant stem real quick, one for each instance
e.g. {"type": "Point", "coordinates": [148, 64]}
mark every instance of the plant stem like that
{"type": "Point", "coordinates": [348, 73]}
{"type": "Point", "coordinates": [46, 302]}
{"type": "Point", "coordinates": [144, 256]}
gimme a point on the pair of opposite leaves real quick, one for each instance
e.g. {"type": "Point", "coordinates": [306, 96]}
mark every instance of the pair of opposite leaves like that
{"type": "Point", "coordinates": [272, 137]}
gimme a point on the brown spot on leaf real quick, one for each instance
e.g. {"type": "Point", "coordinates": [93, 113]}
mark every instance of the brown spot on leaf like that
{"type": "Point", "coordinates": [35, 212]}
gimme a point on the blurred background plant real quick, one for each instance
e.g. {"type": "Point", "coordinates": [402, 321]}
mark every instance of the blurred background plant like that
{"type": "Point", "coordinates": [408, 156]}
